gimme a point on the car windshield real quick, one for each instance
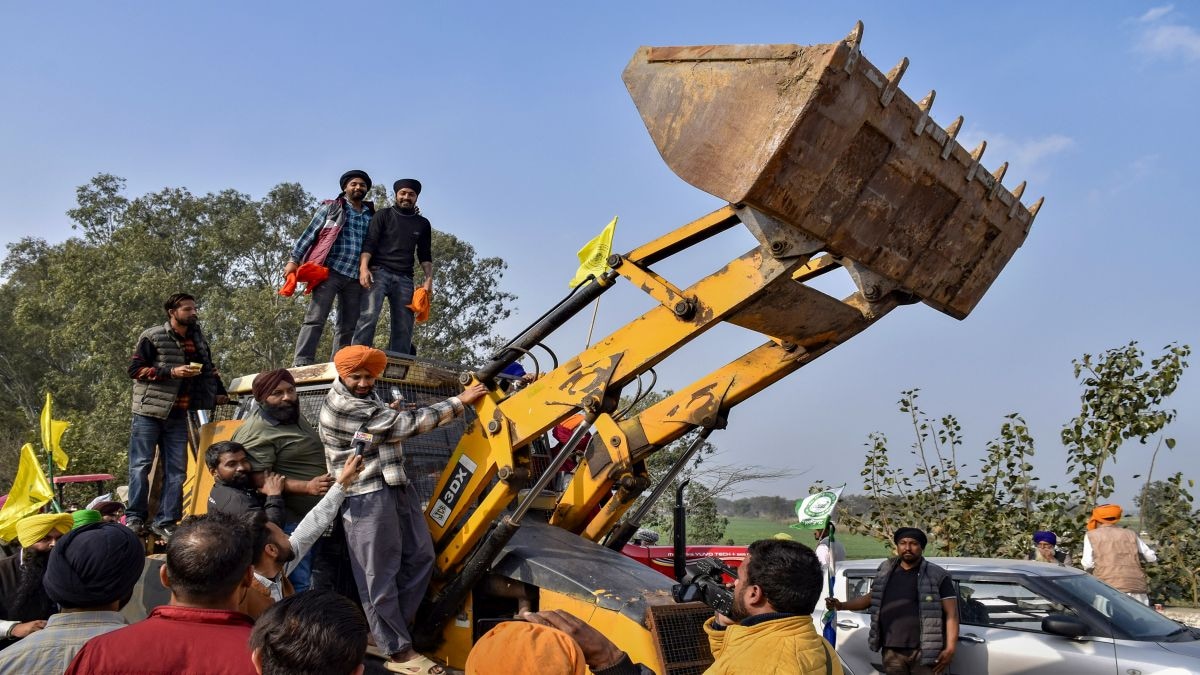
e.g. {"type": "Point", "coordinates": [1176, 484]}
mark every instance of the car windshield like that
{"type": "Point", "coordinates": [1130, 619]}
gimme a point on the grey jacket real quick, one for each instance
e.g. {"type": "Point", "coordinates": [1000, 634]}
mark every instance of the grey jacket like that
{"type": "Point", "coordinates": [154, 398]}
{"type": "Point", "coordinates": [933, 625]}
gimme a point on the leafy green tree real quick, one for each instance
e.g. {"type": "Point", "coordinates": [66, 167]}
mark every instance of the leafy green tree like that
{"type": "Point", "coordinates": [1122, 400]}
{"type": "Point", "coordinates": [1177, 573]}
{"type": "Point", "coordinates": [993, 511]}
{"type": "Point", "coordinates": [70, 312]}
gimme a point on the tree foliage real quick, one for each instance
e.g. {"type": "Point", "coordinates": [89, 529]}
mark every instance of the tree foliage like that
{"type": "Point", "coordinates": [993, 509]}
{"type": "Point", "coordinates": [70, 312]}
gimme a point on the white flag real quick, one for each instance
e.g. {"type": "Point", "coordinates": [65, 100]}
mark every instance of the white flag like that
{"type": "Point", "coordinates": [814, 511]}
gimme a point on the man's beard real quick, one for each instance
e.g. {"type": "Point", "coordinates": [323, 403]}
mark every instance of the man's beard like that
{"type": "Point", "coordinates": [739, 608]}
{"type": "Point", "coordinates": [285, 559]}
{"type": "Point", "coordinates": [241, 481]}
{"type": "Point", "coordinates": [29, 601]}
{"type": "Point", "coordinates": [287, 413]}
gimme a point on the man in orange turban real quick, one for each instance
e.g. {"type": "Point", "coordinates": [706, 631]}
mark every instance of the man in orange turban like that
{"type": "Point", "coordinates": [552, 641]}
{"type": "Point", "coordinates": [391, 550]}
{"type": "Point", "coordinates": [1114, 554]}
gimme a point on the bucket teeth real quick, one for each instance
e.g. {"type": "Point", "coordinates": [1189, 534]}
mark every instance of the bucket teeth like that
{"type": "Point", "coordinates": [924, 106]}
{"type": "Point", "coordinates": [893, 82]}
{"type": "Point", "coordinates": [951, 134]}
{"type": "Point", "coordinates": [976, 155]}
{"type": "Point", "coordinates": [927, 103]}
{"type": "Point", "coordinates": [1020, 190]}
{"type": "Point", "coordinates": [955, 126]}
{"type": "Point", "coordinates": [998, 174]}
{"type": "Point", "coordinates": [855, 35]}
{"type": "Point", "coordinates": [854, 39]}
{"type": "Point", "coordinates": [1037, 206]}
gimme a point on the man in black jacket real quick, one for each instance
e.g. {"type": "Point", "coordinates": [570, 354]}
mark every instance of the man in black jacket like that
{"type": "Point", "coordinates": [233, 489]}
{"type": "Point", "coordinates": [397, 237]}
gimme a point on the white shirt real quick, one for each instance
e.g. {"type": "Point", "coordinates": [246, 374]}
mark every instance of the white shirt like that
{"type": "Point", "coordinates": [822, 551]}
{"type": "Point", "coordinates": [307, 532]}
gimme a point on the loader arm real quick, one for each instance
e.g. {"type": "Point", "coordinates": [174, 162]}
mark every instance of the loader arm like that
{"type": "Point", "coordinates": [832, 169]}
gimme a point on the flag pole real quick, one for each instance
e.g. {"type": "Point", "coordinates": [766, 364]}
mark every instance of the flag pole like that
{"type": "Point", "coordinates": [592, 326]}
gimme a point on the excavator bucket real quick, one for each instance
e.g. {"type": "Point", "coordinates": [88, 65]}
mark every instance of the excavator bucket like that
{"type": "Point", "coordinates": [820, 139]}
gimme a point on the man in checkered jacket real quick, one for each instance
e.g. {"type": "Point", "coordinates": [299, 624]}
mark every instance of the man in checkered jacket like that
{"type": "Point", "coordinates": [391, 550]}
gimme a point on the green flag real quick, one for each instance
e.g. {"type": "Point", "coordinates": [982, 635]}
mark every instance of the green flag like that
{"type": "Point", "coordinates": [815, 510]}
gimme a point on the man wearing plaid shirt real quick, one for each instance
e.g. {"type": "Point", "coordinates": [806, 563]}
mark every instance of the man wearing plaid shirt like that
{"type": "Point", "coordinates": [391, 551]}
{"type": "Point", "coordinates": [352, 214]}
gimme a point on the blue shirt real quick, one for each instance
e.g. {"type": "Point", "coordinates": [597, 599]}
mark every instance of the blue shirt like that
{"type": "Point", "coordinates": [343, 255]}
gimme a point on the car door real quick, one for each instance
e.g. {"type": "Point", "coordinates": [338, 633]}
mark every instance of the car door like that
{"type": "Point", "coordinates": [1000, 632]}
{"type": "Point", "coordinates": [854, 628]}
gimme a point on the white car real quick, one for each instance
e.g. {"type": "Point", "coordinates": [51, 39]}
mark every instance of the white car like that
{"type": "Point", "coordinates": [1019, 616]}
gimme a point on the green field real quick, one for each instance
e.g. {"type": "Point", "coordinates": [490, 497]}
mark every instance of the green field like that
{"type": "Point", "coordinates": [746, 530]}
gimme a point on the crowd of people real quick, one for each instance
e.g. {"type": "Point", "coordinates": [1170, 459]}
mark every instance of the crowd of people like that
{"type": "Point", "coordinates": [314, 544]}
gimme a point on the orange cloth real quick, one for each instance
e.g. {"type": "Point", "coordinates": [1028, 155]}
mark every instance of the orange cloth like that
{"type": "Point", "coordinates": [1105, 513]}
{"type": "Point", "coordinates": [420, 304]}
{"type": "Point", "coordinates": [309, 273]}
{"type": "Point", "coordinates": [521, 648]}
{"type": "Point", "coordinates": [354, 357]}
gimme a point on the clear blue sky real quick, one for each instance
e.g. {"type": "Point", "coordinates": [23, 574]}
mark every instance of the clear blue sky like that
{"type": "Point", "coordinates": [515, 118]}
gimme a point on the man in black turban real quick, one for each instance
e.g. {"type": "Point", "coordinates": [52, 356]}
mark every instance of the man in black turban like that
{"type": "Point", "coordinates": [91, 574]}
{"type": "Point", "coordinates": [332, 241]}
{"type": "Point", "coordinates": [398, 238]}
{"type": "Point", "coordinates": [914, 609]}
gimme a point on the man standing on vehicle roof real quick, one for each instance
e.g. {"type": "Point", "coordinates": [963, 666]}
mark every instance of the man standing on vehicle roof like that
{"type": "Point", "coordinates": [172, 373]}
{"type": "Point", "coordinates": [278, 439]}
{"type": "Point", "coordinates": [1114, 554]}
{"type": "Point", "coordinates": [914, 610]}
{"type": "Point", "coordinates": [346, 218]}
{"type": "Point", "coordinates": [391, 550]}
{"type": "Point", "coordinates": [396, 237]}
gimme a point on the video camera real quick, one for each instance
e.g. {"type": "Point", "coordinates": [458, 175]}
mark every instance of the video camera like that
{"type": "Point", "coordinates": [708, 586]}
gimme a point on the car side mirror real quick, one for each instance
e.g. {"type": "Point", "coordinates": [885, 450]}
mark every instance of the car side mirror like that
{"type": "Point", "coordinates": [1066, 626]}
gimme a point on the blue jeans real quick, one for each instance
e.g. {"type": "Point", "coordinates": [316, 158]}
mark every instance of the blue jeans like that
{"type": "Point", "coordinates": [398, 290]}
{"type": "Point", "coordinates": [348, 294]}
{"type": "Point", "coordinates": [301, 576]}
{"type": "Point", "coordinates": [170, 437]}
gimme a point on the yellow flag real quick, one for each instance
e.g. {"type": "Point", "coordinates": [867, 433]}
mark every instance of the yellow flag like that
{"type": "Point", "coordinates": [30, 492]}
{"type": "Point", "coordinates": [593, 257]}
{"type": "Point", "coordinates": [52, 432]}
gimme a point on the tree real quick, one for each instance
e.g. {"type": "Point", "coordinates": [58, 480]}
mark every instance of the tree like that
{"type": "Point", "coordinates": [993, 511]}
{"type": "Point", "coordinates": [1177, 574]}
{"type": "Point", "coordinates": [1121, 401]}
{"type": "Point", "coordinates": [71, 312]}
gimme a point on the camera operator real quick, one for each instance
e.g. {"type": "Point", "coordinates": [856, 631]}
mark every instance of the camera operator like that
{"type": "Point", "coordinates": [771, 629]}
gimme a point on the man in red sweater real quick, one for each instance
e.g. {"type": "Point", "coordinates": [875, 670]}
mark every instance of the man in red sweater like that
{"type": "Point", "coordinates": [208, 570]}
